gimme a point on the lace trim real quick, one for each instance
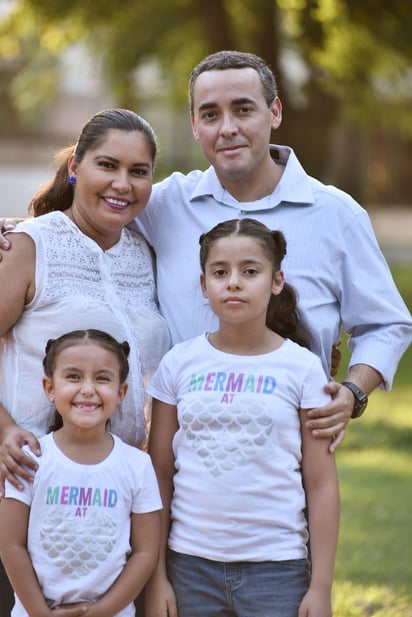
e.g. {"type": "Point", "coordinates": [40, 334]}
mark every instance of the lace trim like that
{"type": "Point", "coordinates": [75, 267]}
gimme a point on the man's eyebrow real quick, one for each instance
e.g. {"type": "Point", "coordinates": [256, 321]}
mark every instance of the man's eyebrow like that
{"type": "Point", "coordinates": [240, 101]}
{"type": "Point", "coordinates": [205, 106]}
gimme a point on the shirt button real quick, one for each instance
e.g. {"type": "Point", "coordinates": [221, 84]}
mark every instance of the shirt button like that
{"type": "Point", "coordinates": [243, 212]}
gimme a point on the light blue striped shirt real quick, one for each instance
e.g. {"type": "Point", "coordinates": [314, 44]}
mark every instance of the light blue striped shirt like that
{"type": "Point", "coordinates": [333, 260]}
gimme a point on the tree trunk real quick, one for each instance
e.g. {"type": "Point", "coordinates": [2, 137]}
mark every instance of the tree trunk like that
{"type": "Point", "coordinates": [217, 22]}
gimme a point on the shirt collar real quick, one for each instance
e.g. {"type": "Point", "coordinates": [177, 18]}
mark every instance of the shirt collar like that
{"type": "Point", "coordinates": [293, 187]}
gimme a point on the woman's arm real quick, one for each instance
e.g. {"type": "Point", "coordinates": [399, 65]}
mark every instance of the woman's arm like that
{"type": "Point", "coordinates": [17, 279]}
{"type": "Point", "coordinates": [159, 594]}
{"type": "Point", "coordinates": [322, 497]}
{"type": "Point", "coordinates": [145, 539]}
{"type": "Point", "coordinates": [17, 283]}
{"type": "Point", "coordinates": [14, 517]}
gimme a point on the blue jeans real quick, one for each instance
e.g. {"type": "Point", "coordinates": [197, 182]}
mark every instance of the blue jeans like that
{"type": "Point", "coordinates": [207, 588]}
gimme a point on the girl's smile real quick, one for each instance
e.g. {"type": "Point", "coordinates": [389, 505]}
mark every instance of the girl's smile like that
{"type": "Point", "coordinates": [86, 406]}
{"type": "Point", "coordinates": [85, 386]}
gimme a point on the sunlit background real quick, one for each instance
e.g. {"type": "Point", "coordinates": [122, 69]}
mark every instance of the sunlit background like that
{"type": "Point", "coordinates": [343, 67]}
{"type": "Point", "coordinates": [344, 70]}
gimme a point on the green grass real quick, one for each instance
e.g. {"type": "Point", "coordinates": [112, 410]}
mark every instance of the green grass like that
{"type": "Point", "coordinates": [373, 576]}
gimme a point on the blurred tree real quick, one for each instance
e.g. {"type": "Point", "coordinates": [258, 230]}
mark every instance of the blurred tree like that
{"type": "Point", "coordinates": [343, 67]}
{"type": "Point", "coordinates": [359, 59]}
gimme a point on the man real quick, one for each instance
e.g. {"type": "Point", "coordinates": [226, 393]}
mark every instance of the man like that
{"type": "Point", "coordinates": [333, 259]}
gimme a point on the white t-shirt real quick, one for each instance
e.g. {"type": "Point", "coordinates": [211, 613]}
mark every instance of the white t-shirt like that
{"type": "Point", "coordinates": [238, 493]}
{"type": "Point", "coordinates": [79, 524]}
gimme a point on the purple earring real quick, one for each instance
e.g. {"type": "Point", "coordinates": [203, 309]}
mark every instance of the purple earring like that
{"type": "Point", "coordinates": [72, 180]}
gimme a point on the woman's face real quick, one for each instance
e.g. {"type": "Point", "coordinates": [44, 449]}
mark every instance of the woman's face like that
{"type": "Point", "coordinates": [113, 185]}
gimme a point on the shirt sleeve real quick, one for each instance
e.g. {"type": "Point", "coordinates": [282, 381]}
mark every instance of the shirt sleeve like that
{"type": "Point", "coordinates": [147, 220]}
{"type": "Point", "coordinates": [147, 498]}
{"type": "Point", "coordinates": [313, 393]}
{"type": "Point", "coordinates": [162, 383]}
{"type": "Point", "coordinates": [25, 495]}
{"type": "Point", "coordinates": [373, 313]}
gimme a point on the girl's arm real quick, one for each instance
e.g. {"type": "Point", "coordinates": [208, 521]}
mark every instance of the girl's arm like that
{"type": "Point", "coordinates": [17, 284]}
{"type": "Point", "coordinates": [322, 496]}
{"type": "Point", "coordinates": [14, 517]}
{"type": "Point", "coordinates": [159, 595]}
{"type": "Point", "coordinates": [145, 540]}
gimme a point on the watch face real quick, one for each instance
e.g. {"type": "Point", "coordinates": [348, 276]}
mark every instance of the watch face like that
{"type": "Point", "coordinates": [359, 408]}
{"type": "Point", "coordinates": [361, 400]}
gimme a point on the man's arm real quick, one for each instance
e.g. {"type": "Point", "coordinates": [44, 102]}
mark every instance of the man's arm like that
{"type": "Point", "coordinates": [365, 377]}
{"type": "Point", "coordinates": [14, 463]}
{"type": "Point", "coordinates": [377, 321]}
{"type": "Point", "coordinates": [373, 313]}
{"type": "Point", "coordinates": [6, 224]}
{"type": "Point", "coordinates": [331, 420]}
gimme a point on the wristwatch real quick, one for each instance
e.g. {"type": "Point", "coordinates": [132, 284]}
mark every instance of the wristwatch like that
{"type": "Point", "coordinates": [361, 400]}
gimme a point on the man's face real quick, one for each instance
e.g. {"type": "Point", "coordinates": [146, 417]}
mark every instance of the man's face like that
{"type": "Point", "coordinates": [232, 122]}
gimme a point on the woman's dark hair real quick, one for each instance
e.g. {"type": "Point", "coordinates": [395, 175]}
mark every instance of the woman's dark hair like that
{"type": "Point", "coordinates": [282, 314]}
{"type": "Point", "coordinates": [228, 59]}
{"type": "Point", "coordinates": [58, 193]}
{"type": "Point", "coordinates": [55, 346]}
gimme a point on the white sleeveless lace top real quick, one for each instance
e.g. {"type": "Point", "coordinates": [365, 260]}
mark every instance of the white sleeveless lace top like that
{"type": "Point", "coordinates": [78, 285]}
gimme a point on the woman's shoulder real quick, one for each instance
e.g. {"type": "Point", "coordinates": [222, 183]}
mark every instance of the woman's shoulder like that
{"type": "Point", "coordinates": [136, 240]}
{"type": "Point", "coordinates": [37, 227]}
{"type": "Point", "coordinates": [131, 231]}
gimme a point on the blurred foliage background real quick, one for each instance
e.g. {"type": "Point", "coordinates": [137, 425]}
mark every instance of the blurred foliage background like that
{"type": "Point", "coordinates": [344, 69]}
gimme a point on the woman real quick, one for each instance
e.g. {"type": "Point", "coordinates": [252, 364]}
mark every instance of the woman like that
{"type": "Point", "coordinates": [77, 266]}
